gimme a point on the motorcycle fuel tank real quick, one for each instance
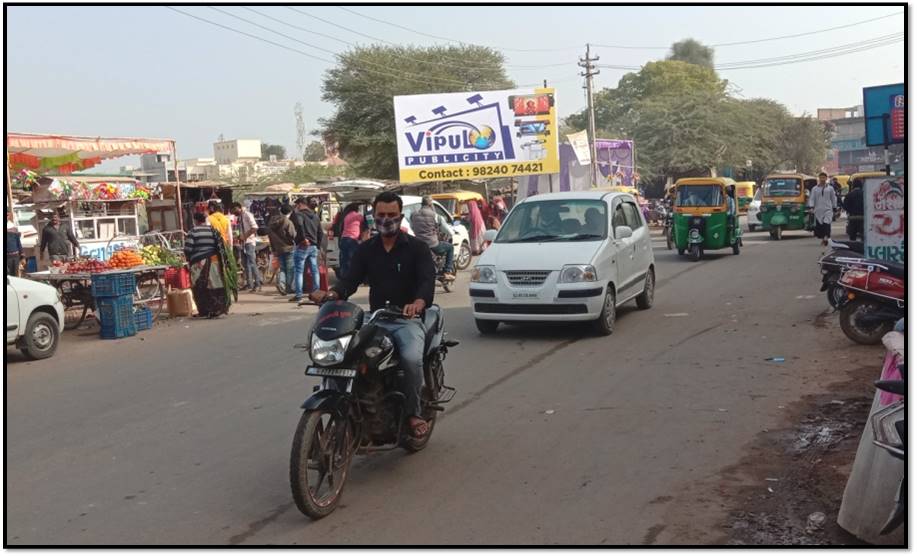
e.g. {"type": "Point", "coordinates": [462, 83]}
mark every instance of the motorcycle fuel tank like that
{"type": "Point", "coordinates": [336, 319]}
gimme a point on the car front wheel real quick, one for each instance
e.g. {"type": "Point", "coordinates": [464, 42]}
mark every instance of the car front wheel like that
{"type": "Point", "coordinates": [41, 336]}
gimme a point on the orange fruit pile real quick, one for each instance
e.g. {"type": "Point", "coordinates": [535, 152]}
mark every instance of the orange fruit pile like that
{"type": "Point", "coordinates": [125, 258]}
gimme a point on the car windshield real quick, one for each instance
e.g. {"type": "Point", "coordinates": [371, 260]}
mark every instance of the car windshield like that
{"type": "Point", "coordinates": [782, 187]}
{"type": "Point", "coordinates": [448, 204]}
{"type": "Point", "coordinates": [563, 220]}
{"type": "Point", "coordinates": [699, 196]}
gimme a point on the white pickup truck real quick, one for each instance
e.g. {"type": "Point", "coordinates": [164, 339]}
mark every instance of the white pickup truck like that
{"type": "Point", "coordinates": [34, 317]}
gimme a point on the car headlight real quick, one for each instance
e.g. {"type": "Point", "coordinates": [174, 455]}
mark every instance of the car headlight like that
{"type": "Point", "coordinates": [578, 273]}
{"type": "Point", "coordinates": [329, 352]}
{"type": "Point", "coordinates": [484, 275]}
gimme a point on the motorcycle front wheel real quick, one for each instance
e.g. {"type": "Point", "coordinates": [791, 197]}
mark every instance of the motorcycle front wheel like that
{"type": "Point", "coordinates": [668, 237]}
{"type": "Point", "coordinates": [323, 448]}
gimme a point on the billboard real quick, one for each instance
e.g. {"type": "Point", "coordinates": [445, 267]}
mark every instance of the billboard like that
{"type": "Point", "coordinates": [883, 200]}
{"type": "Point", "coordinates": [883, 108]}
{"type": "Point", "coordinates": [488, 134]}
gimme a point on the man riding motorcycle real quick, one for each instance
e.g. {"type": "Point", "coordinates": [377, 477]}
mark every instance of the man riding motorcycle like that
{"type": "Point", "coordinates": [400, 271]}
{"type": "Point", "coordinates": [427, 226]}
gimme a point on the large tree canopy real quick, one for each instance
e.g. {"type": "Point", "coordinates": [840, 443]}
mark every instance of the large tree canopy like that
{"type": "Point", "coordinates": [361, 88]}
{"type": "Point", "coordinates": [692, 52]}
{"type": "Point", "coordinates": [684, 122]}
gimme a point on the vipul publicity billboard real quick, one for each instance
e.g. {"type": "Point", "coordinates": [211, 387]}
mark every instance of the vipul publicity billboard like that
{"type": "Point", "coordinates": [488, 134]}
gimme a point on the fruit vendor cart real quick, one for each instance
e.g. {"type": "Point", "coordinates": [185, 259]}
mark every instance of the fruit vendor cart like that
{"type": "Point", "coordinates": [74, 283]}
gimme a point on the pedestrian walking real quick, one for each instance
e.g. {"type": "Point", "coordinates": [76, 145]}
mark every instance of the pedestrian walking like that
{"type": "Point", "coordinates": [13, 246]}
{"type": "Point", "coordinates": [309, 237]}
{"type": "Point", "coordinates": [853, 204]}
{"type": "Point", "coordinates": [248, 228]}
{"type": "Point", "coordinates": [210, 284]}
{"type": "Point", "coordinates": [57, 240]}
{"type": "Point", "coordinates": [282, 234]}
{"type": "Point", "coordinates": [352, 227]}
{"type": "Point", "coordinates": [476, 228]}
{"type": "Point", "coordinates": [823, 202]}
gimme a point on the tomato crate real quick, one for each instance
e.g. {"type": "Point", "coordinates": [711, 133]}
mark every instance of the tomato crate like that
{"type": "Point", "coordinates": [178, 277]}
{"type": "Point", "coordinates": [143, 318]}
{"type": "Point", "coordinates": [113, 284]}
{"type": "Point", "coordinates": [116, 316]}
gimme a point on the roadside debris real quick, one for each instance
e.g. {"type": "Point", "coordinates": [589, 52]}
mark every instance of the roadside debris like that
{"type": "Point", "coordinates": [776, 359]}
{"type": "Point", "coordinates": [816, 521]}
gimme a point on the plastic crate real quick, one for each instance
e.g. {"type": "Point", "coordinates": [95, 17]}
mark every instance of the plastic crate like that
{"type": "Point", "coordinates": [178, 277]}
{"type": "Point", "coordinates": [113, 284]}
{"type": "Point", "coordinates": [116, 316]}
{"type": "Point", "coordinates": [143, 318]}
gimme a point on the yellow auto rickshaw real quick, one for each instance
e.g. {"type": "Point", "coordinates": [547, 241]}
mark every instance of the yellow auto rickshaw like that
{"type": "Point", "coordinates": [784, 203]}
{"type": "Point", "coordinates": [745, 193]}
{"type": "Point", "coordinates": [456, 202]}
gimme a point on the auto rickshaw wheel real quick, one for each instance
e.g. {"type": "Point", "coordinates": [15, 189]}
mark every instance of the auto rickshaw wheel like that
{"type": "Point", "coordinates": [778, 233]}
{"type": "Point", "coordinates": [736, 245]}
{"type": "Point", "coordinates": [696, 252]}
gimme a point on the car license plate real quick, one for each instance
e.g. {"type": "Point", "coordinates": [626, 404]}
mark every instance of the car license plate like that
{"type": "Point", "coordinates": [524, 295]}
{"type": "Point", "coordinates": [329, 372]}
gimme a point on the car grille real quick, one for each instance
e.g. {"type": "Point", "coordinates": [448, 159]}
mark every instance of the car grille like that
{"type": "Point", "coordinates": [531, 309]}
{"type": "Point", "coordinates": [527, 277]}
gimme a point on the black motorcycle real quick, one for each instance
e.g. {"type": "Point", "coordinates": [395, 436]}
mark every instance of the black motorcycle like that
{"type": "Point", "coordinates": [832, 266]}
{"type": "Point", "coordinates": [447, 283]}
{"type": "Point", "coordinates": [668, 230]}
{"type": "Point", "coordinates": [889, 433]}
{"type": "Point", "coordinates": [358, 408]}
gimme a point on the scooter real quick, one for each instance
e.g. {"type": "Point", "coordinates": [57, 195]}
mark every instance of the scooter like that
{"type": "Point", "coordinates": [874, 299]}
{"type": "Point", "coordinates": [833, 265]}
{"type": "Point", "coordinates": [889, 433]}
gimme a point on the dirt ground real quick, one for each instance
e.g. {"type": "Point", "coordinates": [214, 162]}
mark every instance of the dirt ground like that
{"type": "Point", "coordinates": [795, 471]}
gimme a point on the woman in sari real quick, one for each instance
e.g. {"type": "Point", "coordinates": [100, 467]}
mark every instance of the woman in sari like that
{"type": "Point", "coordinates": [207, 254]}
{"type": "Point", "coordinates": [222, 224]}
{"type": "Point", "coordinates": [475, 228]}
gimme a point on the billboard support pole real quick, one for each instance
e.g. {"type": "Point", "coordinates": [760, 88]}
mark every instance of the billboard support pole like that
{"type": "Point", "coordinates": [885, 124]}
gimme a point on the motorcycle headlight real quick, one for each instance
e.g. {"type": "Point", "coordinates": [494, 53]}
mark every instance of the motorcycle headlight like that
{"type": "Point", "coordinates": [484, 275]}
{"type": "Point", "coordinates": [577, 273]}
{"type": "Point", "coordinates": [329, 352]}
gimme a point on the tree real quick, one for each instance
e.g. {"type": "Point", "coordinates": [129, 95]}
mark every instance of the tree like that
{"type": "Point", "coordinates": [278, 151]}
{"type": "Point", "coordinates": [314, 152]}
{"type": "Point", "coordinates": [804, 143]}
{"type": "Point", "coordinates": [692, 52]}
{"type": "Point", "coordinates": [363, 83]}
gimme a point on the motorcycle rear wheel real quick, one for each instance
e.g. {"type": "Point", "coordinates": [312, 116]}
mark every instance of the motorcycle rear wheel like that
{"type": "Point", "coordinates": [866, 336]}
{"type": "Point", "coordinates": [323, 442]}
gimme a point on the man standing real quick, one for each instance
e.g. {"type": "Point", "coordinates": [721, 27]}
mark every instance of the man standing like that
{"type": "Point", "coordinates": [427, 226]}
{"type": "Point", "coordinates": [399, 269]}
{"type": "Point", "coordinates": [248, 228]}
{"type": "Point", "coordinates": [823, 202]}
{"type": "Point", "coordinates": [13, 246]}
{"type": "Point", "coordinates": [853, 204]}
{"type": "Point", "coordinates": [57, 241]}
{"type": "Point", "coordinates": [283, 240]}
{"type": "Point", "coordinates": [309, 236]}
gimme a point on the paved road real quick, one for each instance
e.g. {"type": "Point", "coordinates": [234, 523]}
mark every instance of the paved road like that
{"type": "Point", "coordinates": [182, 434]}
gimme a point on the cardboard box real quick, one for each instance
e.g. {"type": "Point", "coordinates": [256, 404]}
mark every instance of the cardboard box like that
{"type": "Point", "coordinates": [180, 303]}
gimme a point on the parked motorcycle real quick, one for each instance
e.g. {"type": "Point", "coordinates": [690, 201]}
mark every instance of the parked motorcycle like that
{"type": "Point", "coordinates": [667, 229]}
{"type": "Point", "coordinates": [888, 427]}
{"type": "Point", "coordinates": [833, 265]}
{"type": "Point", "coordinates": [874, 299]}
{"type": "Point", "coordinates": [440, 262]}
{"type": "Point", "coordinates": [358, 408]}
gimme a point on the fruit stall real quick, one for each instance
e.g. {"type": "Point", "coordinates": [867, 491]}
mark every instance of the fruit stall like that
{"type": "Point", "coordinates": [152, 266]}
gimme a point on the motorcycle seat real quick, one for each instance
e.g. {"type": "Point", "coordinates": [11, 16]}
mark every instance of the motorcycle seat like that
{"type": "Point", "coordinates": [895, 269]}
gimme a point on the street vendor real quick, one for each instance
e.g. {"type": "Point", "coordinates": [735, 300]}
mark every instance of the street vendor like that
{"type": "Point", "coordinates": [57, 241]}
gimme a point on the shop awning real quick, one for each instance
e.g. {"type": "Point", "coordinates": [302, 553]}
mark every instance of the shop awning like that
{"type": "Point", "coordinates": [70, 153]}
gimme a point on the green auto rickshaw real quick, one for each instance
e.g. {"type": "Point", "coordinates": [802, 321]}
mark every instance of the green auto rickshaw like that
{"type": "Point", "coordinates": [784, 203]}
{"type": "Point", "coordinates": [705, 217]}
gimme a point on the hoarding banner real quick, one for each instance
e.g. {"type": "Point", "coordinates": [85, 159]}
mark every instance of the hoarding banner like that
{"type": "Point", "coordinates": [580, 143]}
{"type": "Point", "coordinates": [489, 134]}
{"type": "Point", "coordinates": [883, 108]}
{"type": "Point", "coordinates": [884, 218]}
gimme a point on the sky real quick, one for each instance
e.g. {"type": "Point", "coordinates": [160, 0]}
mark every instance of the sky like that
{"type": "Point", "coordinates": [148, 71]}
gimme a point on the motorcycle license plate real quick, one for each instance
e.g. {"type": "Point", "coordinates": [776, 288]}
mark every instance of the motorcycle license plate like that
{"type": "Point", "coordinates": [329, 372]}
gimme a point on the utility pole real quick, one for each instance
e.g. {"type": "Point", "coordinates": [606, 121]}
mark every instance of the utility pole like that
{"type": "Point", "coordinates": [586, 63]}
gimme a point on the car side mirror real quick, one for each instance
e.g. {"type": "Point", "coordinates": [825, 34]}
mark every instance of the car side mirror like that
{"type": "Point", "coordinates": [490, 236]}
{"type": "Point", "coordinates": [623, 232]}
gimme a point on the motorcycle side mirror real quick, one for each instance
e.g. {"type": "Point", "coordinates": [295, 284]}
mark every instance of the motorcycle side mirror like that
{"type": "Point", "coordinates": [490, 235]}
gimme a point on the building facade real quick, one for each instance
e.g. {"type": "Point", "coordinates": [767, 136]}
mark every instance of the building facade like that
{"type": "Point", "coordinates": [237, 150]}
{"type": "Point", "coordinates": [849, 153]}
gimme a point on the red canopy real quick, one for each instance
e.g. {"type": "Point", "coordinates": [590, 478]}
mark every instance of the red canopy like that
{"type": "Point", "coordinates": [68, 153]}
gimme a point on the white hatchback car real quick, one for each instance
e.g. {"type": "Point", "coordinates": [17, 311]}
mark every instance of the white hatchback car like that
{"type": "Point", "coordinates": [565, 257]}
{"type": "Point", "coordinates": [34, 317]}
{"type": "Point", "coordinates": [754, 209]}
